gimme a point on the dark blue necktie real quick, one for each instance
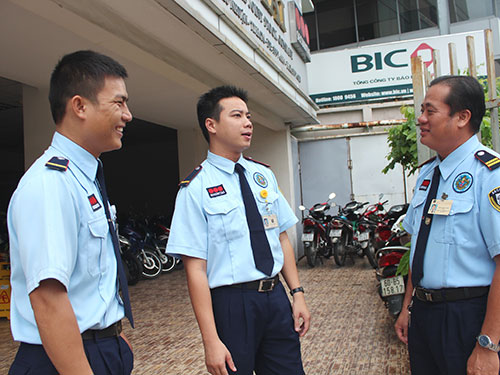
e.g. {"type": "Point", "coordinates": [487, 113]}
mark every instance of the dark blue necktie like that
{"type": "Point", "coordinates": [262, 254]}
{"type": "Point", "coordinates": [417, 270]}
{"type": "Point", "coordinates": [122, 278]}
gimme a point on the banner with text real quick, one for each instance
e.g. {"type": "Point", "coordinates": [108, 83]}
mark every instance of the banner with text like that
{"type": "Point", "coordinates": [384, 70]}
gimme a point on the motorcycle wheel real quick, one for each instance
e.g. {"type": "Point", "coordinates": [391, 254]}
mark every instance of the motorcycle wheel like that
{"type": "Point", "coordinates": [340, 249]}
{"type": "Point", "coordinates": [151, 264]}
{"type": "Point", "coordinates": [312, 253]}
{"type": "Point", "coordinates": [370, 252]}
{"type": "Point", "coordinates": [167, 261]}
{"type": "Point", "coordinates": [133, 268]}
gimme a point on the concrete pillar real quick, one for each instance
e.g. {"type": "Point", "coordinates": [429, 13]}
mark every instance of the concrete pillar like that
{"type": "Point", "coordinates": [443, 17]}
{"type": "Point", "coordinates": [38, 124]}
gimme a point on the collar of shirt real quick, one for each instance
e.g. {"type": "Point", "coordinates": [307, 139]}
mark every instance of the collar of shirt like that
{"type": "Point", "coordinates": [453, 160]}
{"type": "Point", "coordinates": [224, 164]}
{"type": "Point", "coordinates": [77, 155]}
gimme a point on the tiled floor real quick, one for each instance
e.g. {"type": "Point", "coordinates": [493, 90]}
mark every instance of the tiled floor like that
{"type": "Point", "coordinates": [351, 331]}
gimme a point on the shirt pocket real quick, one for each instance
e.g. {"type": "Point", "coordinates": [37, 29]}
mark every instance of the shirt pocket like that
{"type": "Point", "coordinates": [226, 220]}
{"type": "Point", "coordinates": [458, 222]}
{"type": "Point", "coordinates": [99, 230]}
{"type": "Point", "coordinates": [268, 205]}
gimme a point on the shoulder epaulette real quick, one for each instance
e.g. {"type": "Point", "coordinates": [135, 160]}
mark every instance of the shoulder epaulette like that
{"type": "Point", "coordinates": [490, 160]}
{"type": "Point", "coordinates": [256, 161]}
{"type": "Point", "coordinates": [190, 177]}
{"type": "Point", "coordinates": [426, 162]}
{"type": "Point", "coordinates": [58, 163]}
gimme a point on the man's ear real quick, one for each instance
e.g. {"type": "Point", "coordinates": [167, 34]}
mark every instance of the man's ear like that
{"type": "Point", "coordinates": [464, 117]}
{"type": "Point", "coordinates": [210, 124]}
{"type": "Point", "coordinates": [78, 106]}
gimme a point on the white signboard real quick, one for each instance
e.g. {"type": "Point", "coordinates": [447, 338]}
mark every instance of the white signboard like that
{"type": "Point", "coordinates": [383, 70]}
{"type": "Point", "coordinates": [266, 23]}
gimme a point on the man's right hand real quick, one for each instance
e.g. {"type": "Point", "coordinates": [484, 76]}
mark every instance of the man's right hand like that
{"type": "Point", "coordinates": [216, 357]}
{"type": "Point", "coordinates": [401, 325]}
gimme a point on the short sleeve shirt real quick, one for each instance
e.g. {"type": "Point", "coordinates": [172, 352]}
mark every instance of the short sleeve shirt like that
{"type": "Point", "coordinates": [461, 245]}
{"type": "Point", "coordinates": [58, 230]}
{"type": "Point", "coordinates": [209, 221]}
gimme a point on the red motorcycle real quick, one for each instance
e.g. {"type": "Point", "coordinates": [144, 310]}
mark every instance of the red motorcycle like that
{"type": "Point", "coordinates": [391, 287]}
{"type": "Point", "coordinates": [316, 232]}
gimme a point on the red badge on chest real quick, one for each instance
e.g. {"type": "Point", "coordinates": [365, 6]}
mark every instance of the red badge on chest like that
{"type": "Point", "coordinates": [94, 202]}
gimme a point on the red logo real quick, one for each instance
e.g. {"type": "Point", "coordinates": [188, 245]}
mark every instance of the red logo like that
{"type": "Point", "coordinates": [216, 191]}
{"type": "Point", "coordinates": [424, 47]}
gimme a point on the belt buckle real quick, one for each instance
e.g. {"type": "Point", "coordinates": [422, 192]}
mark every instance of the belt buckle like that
{"type": "Point", "coordinates": [266, 285]}
{"type": "Point", "coordinates": [428, 297]}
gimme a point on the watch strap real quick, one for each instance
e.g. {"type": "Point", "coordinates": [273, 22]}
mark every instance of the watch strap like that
{"type": "Point", "coordinates": [296, 290]}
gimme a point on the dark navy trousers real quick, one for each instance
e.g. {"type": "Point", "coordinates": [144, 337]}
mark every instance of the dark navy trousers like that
{"type": "Point", "coordinates": [258, 330]}
{"type": "Point", "coordinates": [442, 335]}
{"type": "Point", "coordinates": [109, 356]}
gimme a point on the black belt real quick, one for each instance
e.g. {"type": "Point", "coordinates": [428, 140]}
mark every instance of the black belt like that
{"type": "Point", "coordinates": [264, 285]}
{"type": "Point", "coordinates": [450, 294]}
{"type": "Point", "coordinates": [112, 331]}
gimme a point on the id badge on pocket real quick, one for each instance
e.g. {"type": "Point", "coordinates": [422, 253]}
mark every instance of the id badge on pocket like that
{"type": "Point", "coordinates": [270, 221]}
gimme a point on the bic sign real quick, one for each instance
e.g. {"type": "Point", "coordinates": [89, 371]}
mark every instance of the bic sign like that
{"type": "Point", "coordinates": [363, 63]}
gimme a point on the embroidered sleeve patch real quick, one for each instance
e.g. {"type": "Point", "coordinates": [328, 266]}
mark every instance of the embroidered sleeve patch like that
{"type": "Point", "coordinates": [494, 197]}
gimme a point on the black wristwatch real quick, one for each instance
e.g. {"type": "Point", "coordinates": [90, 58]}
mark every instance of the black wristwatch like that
{"type": "Point", "coordinates": [485, 342]}
{"type": "Point", "coordinates": [296, 290]}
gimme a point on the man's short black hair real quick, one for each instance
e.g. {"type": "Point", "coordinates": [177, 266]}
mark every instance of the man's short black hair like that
{"type": "Point", "coordinates": [465, 93]}
{"type": "Point", "coordinates": [209, 106]}
{"type": "Point", "coordinates": [80, 73]}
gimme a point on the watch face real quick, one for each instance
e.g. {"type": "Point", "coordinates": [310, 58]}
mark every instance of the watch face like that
{"type": "Point", "coordinates": [483, 340]}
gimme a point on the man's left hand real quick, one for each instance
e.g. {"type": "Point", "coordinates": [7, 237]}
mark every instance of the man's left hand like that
{"type": "Point", "coordinates": [483, 362]}
{"type": "Point", "coordinates": [301, 314]}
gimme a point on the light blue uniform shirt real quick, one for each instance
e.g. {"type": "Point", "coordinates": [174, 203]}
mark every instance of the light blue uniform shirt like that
{"type": "Point", "coordinates": [56, 233]}
{"type": "Point", "coordinates": [462, 245]}
{"type": "Point", "coordinates": [209, 220]}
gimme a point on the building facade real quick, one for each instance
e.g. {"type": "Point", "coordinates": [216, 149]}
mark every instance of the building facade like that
{"type": "Point", "coordinates": [174, 50]}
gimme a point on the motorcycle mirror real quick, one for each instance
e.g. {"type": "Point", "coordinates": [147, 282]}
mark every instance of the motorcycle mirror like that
{"type": "Point", "coordinates": [332, 195]}
{"type": "Point", "coordinates": [302, 208]}
{"type": "Point", "coordinates": [380, 196]}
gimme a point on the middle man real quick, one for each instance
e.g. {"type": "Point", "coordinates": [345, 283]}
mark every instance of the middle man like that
{"type": "Point", "coordinates": [230, 225]}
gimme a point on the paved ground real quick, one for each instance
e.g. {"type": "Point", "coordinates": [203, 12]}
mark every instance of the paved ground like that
{"type": "Point", "coordinates": [351, 331]}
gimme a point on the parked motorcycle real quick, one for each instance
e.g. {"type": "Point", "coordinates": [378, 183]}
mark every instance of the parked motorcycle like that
{"type": "Point", "coordinates": [316, 231]}
{"type": "Point", "coordinates": [151, 263]}
{"type": "Point", "coordinates": [353, 234]}
{"type": "Point", "coordinates": [391, 287]}
{"type": "Point", "coordinates": [132, 264]}
{"type": "Point", "coordinates": [384, 227]}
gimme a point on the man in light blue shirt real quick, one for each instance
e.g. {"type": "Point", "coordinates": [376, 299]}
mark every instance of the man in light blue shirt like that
{"type": "Point", "coordinates": [451, 307]}
{"type": "Point", "coordinates": [66, 307]}
{"type": "Point", "coordinates": [245, 318]}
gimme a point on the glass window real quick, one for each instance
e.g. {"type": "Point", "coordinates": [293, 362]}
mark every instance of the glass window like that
{"type": "Point", "coordinates": [462, 10]}
{"type": "Point", "coordinates": [417, 14]}
{"type": "Point", "coordinates": [408, 15]}
{"type": "Point", "coordinates": [336, 24]}
{"type": "Point", "coordinates": [376, 18]}
{"type": "Point", "coordinates": [427, 13]}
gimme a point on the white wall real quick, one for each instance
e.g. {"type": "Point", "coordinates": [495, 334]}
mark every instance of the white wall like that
{"type": "Point", "coordinates": [368, 154]}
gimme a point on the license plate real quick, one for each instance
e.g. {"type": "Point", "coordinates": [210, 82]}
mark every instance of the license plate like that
{"type": "Point", "coordinates": [335, 232]}
{"type": "Point", "coordinates": [307, 237]}
{"type": "Point", "coordinates": [392, 286]}
{"type": "Point", "coordinates": [364, 236]}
